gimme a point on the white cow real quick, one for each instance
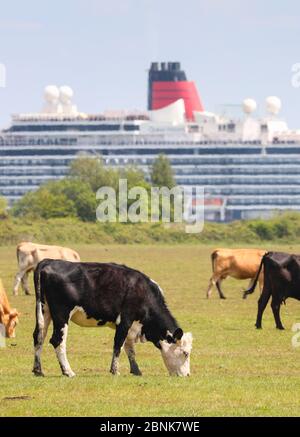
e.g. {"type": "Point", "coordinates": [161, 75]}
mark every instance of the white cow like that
{"type": "Point", "coordinates": [30, 254]}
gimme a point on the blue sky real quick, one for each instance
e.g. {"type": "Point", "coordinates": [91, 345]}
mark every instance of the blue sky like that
{"type": "Point", "coordinates": [102, 49]}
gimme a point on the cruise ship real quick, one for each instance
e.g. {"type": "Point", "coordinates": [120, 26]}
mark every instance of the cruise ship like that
{"type": "Point", "coordinates": [249, 166]}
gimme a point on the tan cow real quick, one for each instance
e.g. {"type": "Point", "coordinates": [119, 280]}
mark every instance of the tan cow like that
{"type": "Point", "coordinates": [30, 254]}
{"type": "Point", "coordinates": [9, 317]}
{"type": "Point", "coordinates": [237, 263]}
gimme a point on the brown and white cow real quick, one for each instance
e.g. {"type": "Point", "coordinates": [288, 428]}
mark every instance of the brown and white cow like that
{"type": "Point", "coordinates": [9, 317]}
{"type": "Point", "coordinates": [30, 254]}
{"type": "Point", "coordinates": [236, 263]}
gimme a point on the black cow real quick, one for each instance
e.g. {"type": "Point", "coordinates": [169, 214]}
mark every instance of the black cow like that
{"type": "Point", "coordinates": [96, 294]}
{"type": "Point", "coordinates": [281, 280]}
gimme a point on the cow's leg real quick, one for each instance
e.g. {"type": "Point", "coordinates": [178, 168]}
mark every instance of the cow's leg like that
{"type": "Point", "coordinates": [25, 284]}
{"type": "Point", "coordinates": [18, 279]}
{"type": "Point", "coordinates": [130, 351]}
{"type": "Point", "coordinates": [218, 285]}
{"type": "Point", "coordinates": [275, 304]}
{"type": "Point", "coordinates": [249, 286]}
{"type": "Point", "coordinates": [43, 319]}
{"type": "Point", "coordinates": [210, 287]}
{"type": "Point", "coordinates": [59, 342]}
{"type": "Point", "coordinates": [261, 283]}
{"type": "Point", "coordinates": [120, 337]}
{"type": "Point", "coordinates": [262, 303]}
{"type": "Point", "coordinates": [214, 280]}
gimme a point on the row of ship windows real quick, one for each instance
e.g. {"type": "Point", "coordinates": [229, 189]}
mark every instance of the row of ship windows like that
{"type": "Point", "coordinates": [264, 201]}
{"type": "Point", "coordinates": [108, 152]}
{"type": "Point", "coordinates": [150, 151]}
{"type": "Point", "coordinates": [23, 141]}
{"type": "Point", "coordinates": [72, 128]}
{"type": "Point", "coordinates": [65, 162]}
{"type": "Point", "coordinates": [192, 171]}
{"type": "Point", "coordinates": [121, 140]}
{"type": "Point", "coordinates": [261, 161]}
{"type": "Point", "coordinates": [238, 181]}
{"type": "Point", "coordinates": [86, 141]}
{"type": "Point", "coordinates": [231, 200]}
{"type": "Point", "coordinates": [182, 180]}
{"type": "Point", "coordinates": [252, 191]}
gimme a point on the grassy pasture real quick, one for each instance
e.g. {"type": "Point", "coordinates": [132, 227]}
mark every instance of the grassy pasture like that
{"type": "Point", "coordinates": [236, 370]}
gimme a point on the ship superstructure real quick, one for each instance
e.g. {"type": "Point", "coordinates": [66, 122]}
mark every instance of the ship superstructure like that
{"type": "Point", "coordinates": [248, 166]}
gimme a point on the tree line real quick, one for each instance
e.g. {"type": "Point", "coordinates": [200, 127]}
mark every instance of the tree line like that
{"type": "Point", "coordinates": [75, 194]}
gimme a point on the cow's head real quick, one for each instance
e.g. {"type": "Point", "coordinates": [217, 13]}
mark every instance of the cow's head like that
{"type": "Point", "coordinates": [176, 351]}
{"type": "Point", "coordinates": [10, 321]}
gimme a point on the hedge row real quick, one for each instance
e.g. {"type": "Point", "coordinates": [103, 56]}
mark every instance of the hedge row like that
{"type": "Point", "coordinates": [283, 228]}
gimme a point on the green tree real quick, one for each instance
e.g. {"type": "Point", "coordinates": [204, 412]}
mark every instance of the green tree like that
{"type": "Point", "coordinates": [92, 171]}
{"type": "Point", "coordinates": [162, 173]}
{"type": "Point", "coordinates": [64, 198]}
{"type": "Point", "coordinates": [89, 169]}
{"type": "Point", "coordinates": [74, 196]}
{"type": "Point", "coordinates": [3, 208]}
{"type": "Point", "coordinates": [44, 204]}
{"type": "Point", "coordinates": [78, 192]}
{"type": "Point", "coordinates": [111, 177]}
{"type": "Point", "coordinates": [135, 178]}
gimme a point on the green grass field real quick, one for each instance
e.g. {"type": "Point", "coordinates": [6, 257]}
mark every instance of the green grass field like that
{"type": "Point", "coordinates": [236, 369]}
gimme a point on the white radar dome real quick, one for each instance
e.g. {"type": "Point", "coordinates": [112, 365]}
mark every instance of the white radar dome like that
{"type": "Point", "coordinates": [51, 93]}
{"type": "Point", "coordinates": [273, 104]}
{"type": "Point", "coordinates": [249, 106]}
{"type": "Point", "coordinates": [65, 94]}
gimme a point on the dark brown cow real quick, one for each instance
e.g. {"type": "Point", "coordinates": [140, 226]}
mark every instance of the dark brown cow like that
{"type": "Point", "coordinates": [281, 280]}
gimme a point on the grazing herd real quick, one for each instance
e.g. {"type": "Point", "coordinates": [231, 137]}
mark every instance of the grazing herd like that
{"type": "Point", "coordinates": [107, 294]}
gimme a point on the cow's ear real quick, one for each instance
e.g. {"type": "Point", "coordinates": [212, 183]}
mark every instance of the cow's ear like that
{"type": "Point", "coordinates": [178, 334]}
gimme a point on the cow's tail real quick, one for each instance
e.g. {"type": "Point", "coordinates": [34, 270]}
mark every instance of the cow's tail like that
{"type": "Point", "coordinates": [40, 300]}
{"type": "Point", "coordinates": [18, 253]}
{"type": "Point", "coordinates": [252, 288]}
{"type": "Point", "coordinates": [213, 257]}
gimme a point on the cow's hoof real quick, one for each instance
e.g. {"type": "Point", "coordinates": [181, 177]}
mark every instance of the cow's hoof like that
{"type": "Point", "coordinates": [137, 373]}
{"type": "Point", "coordinates": [258, 326]}
{"type": "Point", "coordinates": [37, 372]}
{"type": "Point", "coordinates": [27, 293]}
{"type": "Point", "coordinates": [114, 372]}
{"type": "Point", "coordinates": [281, 328]}
{"type": "Point", "coordinates": [222, 297]}
{"type": "Point", "coordinates": [69, 374]}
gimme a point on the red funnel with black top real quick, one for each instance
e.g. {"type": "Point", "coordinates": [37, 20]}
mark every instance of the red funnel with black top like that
{"type": "Point", "coordinates": [168, 83]}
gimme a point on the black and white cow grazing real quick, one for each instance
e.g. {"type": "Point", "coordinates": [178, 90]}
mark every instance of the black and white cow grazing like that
{"type": "Point", "coordinates": [96, 294]}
